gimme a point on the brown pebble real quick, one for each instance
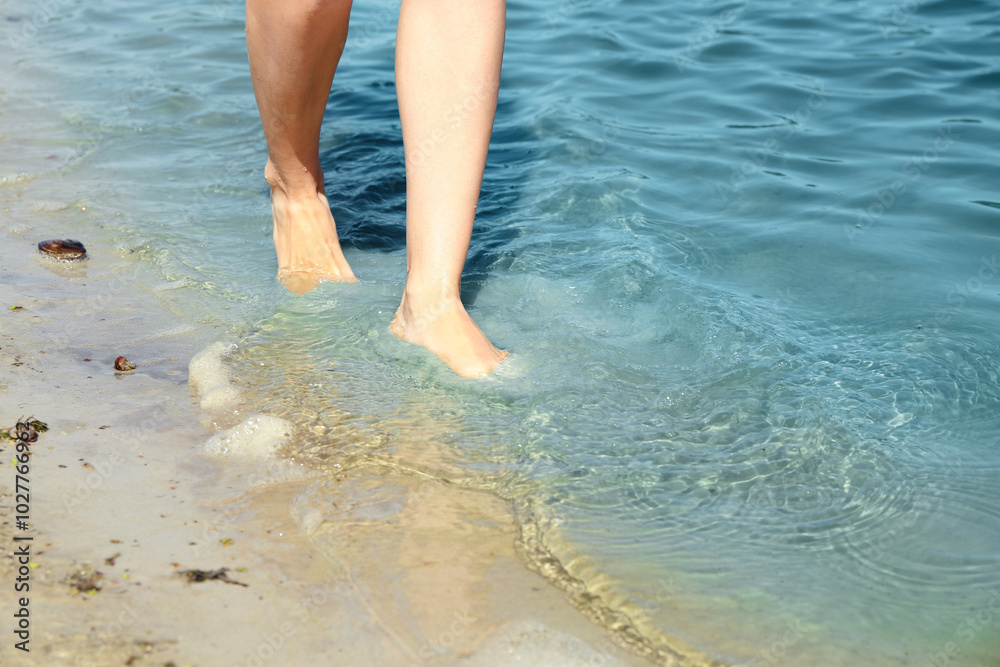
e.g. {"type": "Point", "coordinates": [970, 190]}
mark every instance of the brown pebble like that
{"type": "Point", "coordinates": [67, 249]}
{"type": "Point", "coordinates": [123, 364]}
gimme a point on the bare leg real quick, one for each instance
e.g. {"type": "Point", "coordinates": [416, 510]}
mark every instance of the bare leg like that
{"type": "Point", "coordinates": [448, 55]}
{"type": "Point", "coordinates": [294, 48]}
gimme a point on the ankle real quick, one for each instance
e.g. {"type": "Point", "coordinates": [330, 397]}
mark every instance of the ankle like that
{"type": "Point", "coordinates": [299, 184]}
{"type": "Point", "coordinates": [423, 298]}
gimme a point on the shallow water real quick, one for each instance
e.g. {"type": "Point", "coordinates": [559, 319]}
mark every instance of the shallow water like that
{"type": "Point", "coordinates": [743, 256]}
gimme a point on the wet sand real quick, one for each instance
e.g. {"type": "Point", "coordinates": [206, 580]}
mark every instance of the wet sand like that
{"type": "Point", "coordinates": [374, 566]}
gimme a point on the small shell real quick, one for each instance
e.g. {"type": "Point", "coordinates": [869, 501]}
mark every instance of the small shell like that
{"type": "Point", "coordinates": [66, 249]}
{"type": "Point", "coordinates": [123, 364]}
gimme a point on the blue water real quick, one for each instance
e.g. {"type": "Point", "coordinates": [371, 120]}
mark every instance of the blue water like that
{"type": "Point", "coordinates": [743, 254]}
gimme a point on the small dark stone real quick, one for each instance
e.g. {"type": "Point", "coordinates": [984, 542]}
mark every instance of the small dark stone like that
{"type": "Point", "coordinates": [198, 576]}
{"type": "Point", "coordinates": [66, 249]}
{"type": "Point", "coordinates": [84, 580]}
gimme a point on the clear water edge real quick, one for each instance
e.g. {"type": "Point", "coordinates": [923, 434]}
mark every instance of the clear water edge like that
{"type": "Point", "coordinates": [738, 396]}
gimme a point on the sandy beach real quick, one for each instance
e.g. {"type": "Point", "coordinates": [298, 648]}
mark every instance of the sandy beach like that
{"type": "Point", "coordinates": [373, 566]}
{"type": "Point", "coordinates": [750, 410]}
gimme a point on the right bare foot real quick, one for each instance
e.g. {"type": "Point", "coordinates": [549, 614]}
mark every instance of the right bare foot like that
{"type": "Point", "coordinates": [305, 238]}
{"type": "Point", "coordinates": [445, 328]}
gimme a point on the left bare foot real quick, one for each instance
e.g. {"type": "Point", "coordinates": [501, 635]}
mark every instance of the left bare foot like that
{"type": "Point", "coordinates": [305, 238]}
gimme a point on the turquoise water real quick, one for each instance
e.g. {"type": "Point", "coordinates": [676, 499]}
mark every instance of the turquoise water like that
{"type": "Point", "coordinates": [744, 256]}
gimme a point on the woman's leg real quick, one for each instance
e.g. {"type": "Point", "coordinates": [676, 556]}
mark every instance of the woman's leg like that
{"type": "Point", "coordinates": [294, 47]}
{"type": "Point", "coordinates": [448, 55]}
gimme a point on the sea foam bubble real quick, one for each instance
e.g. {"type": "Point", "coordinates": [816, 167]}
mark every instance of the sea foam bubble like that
{"type": "Point", "coordinates": [256, 438]}
{"type": "Point", "coordinates": [209, 380]}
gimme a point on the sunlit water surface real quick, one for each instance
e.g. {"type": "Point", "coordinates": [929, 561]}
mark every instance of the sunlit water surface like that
{"type": "Point", "coordinates": [743, 255]}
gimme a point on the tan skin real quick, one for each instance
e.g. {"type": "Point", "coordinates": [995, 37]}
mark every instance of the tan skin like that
{"type": "Point", "coordinates": [448, 55]}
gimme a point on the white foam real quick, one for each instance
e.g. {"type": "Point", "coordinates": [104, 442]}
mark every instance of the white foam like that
{"type": "Point", "coordinates": [208, 378]}
{"type": "Point", "coordinates": [256, 438]}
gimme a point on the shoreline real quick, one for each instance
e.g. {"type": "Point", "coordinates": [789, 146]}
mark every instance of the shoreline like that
{"type": "Point", "coordinates": [122, 485]}
{"type": "Point", "coordinates": [363, 567]}
{"type": "Point", "coordinates": [387, 566]}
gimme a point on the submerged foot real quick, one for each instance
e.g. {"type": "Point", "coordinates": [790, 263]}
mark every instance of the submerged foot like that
{"type": "Point", "coordinates": [305, 238]}
{"type": "Point", "coordinates": [446, 329]}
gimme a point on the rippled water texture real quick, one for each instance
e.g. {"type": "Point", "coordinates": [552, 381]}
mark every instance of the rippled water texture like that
{"type": "Point", "coordinates": [744, 256]}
